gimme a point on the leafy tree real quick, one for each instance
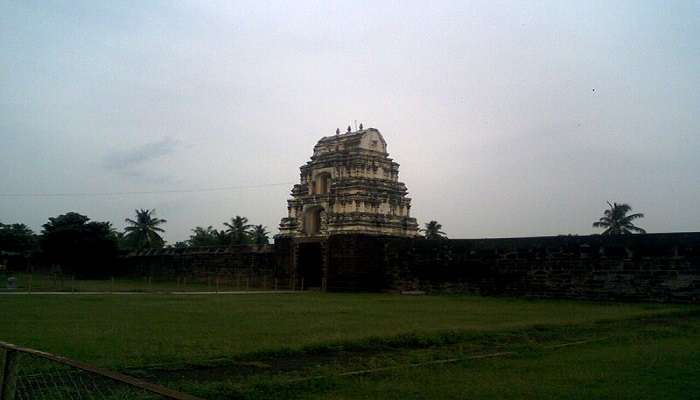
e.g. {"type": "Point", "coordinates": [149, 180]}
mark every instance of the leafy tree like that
{"type": "Point", "coordinates": [238, 230]}
{"type": "Point", "coordinates": [78, 245]}
{"type": "Point", "coordinates": [260, 235]}
{"type": "Point", "coordinates": [144, 232]}
{"type": "Point", "coordinates": [616, 221]}
{"type": "Point", "coordinates": [17, 238]}
{"type": "Point", "coordinates": [203, 237]}
{"type": "Point", "coordinates": [432, 231]}
{"type": "Point", "coordinates": [123, 243]}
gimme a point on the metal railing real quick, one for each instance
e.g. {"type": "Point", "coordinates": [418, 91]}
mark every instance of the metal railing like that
{"type": "Point", "coordinates": [32, 374]}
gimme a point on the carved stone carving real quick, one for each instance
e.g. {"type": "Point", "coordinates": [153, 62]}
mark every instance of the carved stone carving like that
{"type": "Point", "coordinates": [353, 182]}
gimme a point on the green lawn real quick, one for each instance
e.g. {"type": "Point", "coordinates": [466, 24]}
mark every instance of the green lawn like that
{"type": "Point", "coordinates": [664, 368]}
{"type": "Point", "coordinates": [258, 346]}
{"type": "Point", "coordinates": [44, 282]}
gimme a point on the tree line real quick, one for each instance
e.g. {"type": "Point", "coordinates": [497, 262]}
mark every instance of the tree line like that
{"type": "Point", "coordinates": [235, 232]}
{"type": "Point", "coordinates": [73, 240]}
{"type": "Point", "coordinates": [144, 231]}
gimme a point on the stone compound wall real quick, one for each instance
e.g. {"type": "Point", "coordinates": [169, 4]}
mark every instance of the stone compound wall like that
{"type": "Point", "coordinates": [253, 261]}
{"type": "Point", "coordinates": [653, 267]}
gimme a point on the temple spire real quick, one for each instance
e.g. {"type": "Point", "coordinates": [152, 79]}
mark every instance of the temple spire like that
{"type": "Point", "coordinates": [349, 181]}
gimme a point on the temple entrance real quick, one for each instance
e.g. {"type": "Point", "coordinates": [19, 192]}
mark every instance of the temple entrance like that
{"type": "Point", "coordinates": [310, 264]}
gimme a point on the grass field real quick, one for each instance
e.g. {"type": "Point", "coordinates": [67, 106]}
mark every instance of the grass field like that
{"type": "Point", "coordinates": [45, 282]}
{"type": "Point", "coordinates": [300, 345]}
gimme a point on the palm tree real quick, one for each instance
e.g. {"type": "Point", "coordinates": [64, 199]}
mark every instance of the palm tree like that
{"type": "Point", "coordinates": [432, 230]}
{"type": "Point", "coordinates": [144, 231]}
{"type": "Point", "coordinates": [238, 230]}
{"type": "Point", "coordinates": [206, 237]}
{"type": "Point", "coordinates": [616, 221]}
{"type": "Point", "coordinates": [259, 235]}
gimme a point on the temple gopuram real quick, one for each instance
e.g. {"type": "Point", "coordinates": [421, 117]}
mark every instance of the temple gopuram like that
{"type": "Point", "coordinates": [350, 186]}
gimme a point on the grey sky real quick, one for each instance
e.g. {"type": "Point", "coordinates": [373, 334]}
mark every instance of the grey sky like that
{"type": "Point", "coordinates": [508, 118]}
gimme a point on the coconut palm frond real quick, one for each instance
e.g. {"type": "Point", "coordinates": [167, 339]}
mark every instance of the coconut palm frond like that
{"type": "Point", "coordinates": [616, 220]}
{"type": "Point", "coordinates": [143, 231]}
{"type": "Point", "coordinates": [433, 230]}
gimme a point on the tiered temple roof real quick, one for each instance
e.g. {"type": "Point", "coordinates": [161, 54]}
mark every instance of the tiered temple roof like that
{"type": "Point", "coordinates": [350, 185]}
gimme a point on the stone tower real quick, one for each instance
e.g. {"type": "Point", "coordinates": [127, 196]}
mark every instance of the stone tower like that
{"type": "Point", "coordinates": [349, 186]}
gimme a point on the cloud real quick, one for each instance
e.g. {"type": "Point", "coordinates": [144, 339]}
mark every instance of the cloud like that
{"type": "Point", "coordinates": [126, 159]}
{"type": "Point", "coordinates": [130, 162]}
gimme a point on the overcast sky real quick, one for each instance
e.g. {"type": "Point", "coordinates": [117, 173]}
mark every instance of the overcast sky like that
{"type": "Point", "coordinates": [508, 118]}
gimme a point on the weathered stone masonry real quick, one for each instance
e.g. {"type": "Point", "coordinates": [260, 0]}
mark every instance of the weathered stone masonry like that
{"type": "Point", "coordinates": [653, 267]}
{"type": "Point", "coordinates": [251, 262]}
{"type": "Point", "coordinates": [350, 185]}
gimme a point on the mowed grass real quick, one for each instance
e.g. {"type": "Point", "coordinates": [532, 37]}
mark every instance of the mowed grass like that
{"type": "Point", "coordinates": [627, 368]}
{"type": "Point", "coordinates": [120, 331]}
{"type": "Point", "coordinates": [41, 282]}
{"type": "Point", "coordinates": [653, 357]}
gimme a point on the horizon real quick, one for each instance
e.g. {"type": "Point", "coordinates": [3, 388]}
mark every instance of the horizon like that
{"type": "Point", "coordinates": [507, 120]}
